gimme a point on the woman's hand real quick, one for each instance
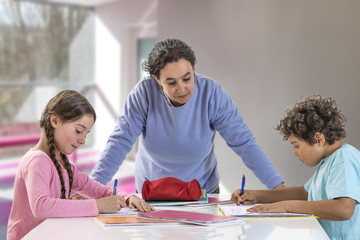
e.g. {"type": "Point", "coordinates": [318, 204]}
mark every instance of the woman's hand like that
{"type": "Point", "coordinates": [280, 186]}
{"type": "Point", "coordinates": [140, 204]}
{"type": "Point", "coordinates": [110, 204]}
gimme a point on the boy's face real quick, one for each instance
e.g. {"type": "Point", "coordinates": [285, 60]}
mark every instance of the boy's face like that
{"type": "Point", "coordinates": [309, 154]}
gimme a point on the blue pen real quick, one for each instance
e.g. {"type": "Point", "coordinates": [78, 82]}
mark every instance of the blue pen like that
{"type": "Point", "coordinates": [115, 185]}
{"type": "Point", "coordinates": [242, 185]}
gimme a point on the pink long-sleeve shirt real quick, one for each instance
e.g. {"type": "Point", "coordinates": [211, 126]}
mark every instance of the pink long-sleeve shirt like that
{"type": "Point", "coordinates": [37, 191]}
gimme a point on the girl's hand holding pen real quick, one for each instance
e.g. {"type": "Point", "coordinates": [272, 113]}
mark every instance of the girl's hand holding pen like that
{"type": "Point", "coordinates": [110, 204]}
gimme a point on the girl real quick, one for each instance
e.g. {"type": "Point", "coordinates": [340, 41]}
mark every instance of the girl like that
{"type": "Point", "coordinates": [45, 177]}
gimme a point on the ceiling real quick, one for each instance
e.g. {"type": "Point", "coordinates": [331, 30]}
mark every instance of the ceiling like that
{"type": "Point", "coordinates": [86, 3]}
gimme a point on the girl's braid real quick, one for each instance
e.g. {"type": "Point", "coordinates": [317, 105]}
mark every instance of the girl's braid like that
{"type": "Point", "coordinates": [68, 168]}
{"type": "Point", "coordinates": [49, 131]}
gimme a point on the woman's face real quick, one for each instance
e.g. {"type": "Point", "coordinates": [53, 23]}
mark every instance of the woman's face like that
{"type": "Point", "coordinates": [177, 80]}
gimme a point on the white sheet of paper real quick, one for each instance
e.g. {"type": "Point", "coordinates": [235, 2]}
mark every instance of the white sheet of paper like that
{"type": "Point", "coordinates": [240, 211]}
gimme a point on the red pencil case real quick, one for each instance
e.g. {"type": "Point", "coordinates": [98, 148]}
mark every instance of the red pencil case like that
{"type": "Point", "coordinates": [171, 189]}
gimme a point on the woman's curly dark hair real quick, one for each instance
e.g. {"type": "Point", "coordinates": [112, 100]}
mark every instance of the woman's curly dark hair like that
{"type": "Point", "coordinates": [315, 114]}
{"type": "Point", "coordinates": [167, 51]}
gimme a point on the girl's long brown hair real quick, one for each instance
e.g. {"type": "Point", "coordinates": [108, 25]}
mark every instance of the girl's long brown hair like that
{"type": "Point", "coordinates": [68, 105]}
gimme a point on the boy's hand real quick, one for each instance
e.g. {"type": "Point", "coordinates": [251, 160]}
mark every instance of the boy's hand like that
{"type": "Point", "coordinates": [278, 207]}
{"type": "Point", "coordinates": [249, 197]}
{"type": "Point", "coordinates": [110, 204]}
{"type": "Point", "coordinates": [141, 205]}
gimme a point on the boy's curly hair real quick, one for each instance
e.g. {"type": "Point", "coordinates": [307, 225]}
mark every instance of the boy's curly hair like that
{"type": "Point", "coordinates": [315, 114]}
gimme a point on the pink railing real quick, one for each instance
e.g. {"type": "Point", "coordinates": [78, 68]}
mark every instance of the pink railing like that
{"type": "Point", "coordinates": [13, 141]}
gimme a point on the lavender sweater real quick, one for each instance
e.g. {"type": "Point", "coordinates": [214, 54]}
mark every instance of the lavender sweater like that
{"type": "Point", "coordinates": [179, 141]}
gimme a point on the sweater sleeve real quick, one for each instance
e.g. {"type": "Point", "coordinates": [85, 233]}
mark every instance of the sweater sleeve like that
{"type": "Point", "coordinates": [43, 189]}
{"type": "Point", "coordinates": [129, 126]}
{"type": "Point", "coordinates": [231, 126]}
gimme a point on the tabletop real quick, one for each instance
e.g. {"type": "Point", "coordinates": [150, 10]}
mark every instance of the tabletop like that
{"type": "Point", "coordinates": [265, 228]}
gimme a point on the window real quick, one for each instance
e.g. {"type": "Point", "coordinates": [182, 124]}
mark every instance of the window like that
{"type": "Point", "coordinates": [144, 47]}
{"type": "Point", "coordinates": [44, 48]}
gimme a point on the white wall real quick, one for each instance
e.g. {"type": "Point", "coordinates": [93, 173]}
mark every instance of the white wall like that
{"type": "Point", "coordinates": [118, 26]}
{"type": "Point", "coordinates": [268, 54]}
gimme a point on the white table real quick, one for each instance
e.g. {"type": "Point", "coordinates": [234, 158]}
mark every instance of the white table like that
{"type": "Point", "coordinates": [87, 228]}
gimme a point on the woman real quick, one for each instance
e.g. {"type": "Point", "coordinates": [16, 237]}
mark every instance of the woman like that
{"type": "Point", "coordinates": [176, 113]}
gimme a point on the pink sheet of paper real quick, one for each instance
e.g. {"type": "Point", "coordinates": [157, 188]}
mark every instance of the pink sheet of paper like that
{"type": "Point", "coordinates": [189, 217]}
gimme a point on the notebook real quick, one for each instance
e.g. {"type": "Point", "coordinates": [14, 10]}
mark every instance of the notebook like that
{"type": "Point", "coordinates": [129, 221]}
{"type": "Point", "coordinates": [212, 201]}
{"type": "Point", "coordinates": [203, 199]}
{"type": "Point", "coordinates": [240, 211]}
{"type": "Point", "coordinates": [190, 217]}
{"type": "Point", "coordinates": [125, 211]}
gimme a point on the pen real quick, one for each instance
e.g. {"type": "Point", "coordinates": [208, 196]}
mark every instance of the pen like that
{"type": "Point", "coordinates": [115, 185]}
{"type": "Point", "coordinates": [242, 185]}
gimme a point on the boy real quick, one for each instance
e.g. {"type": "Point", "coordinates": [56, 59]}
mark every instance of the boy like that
{"type": "Point", "coordinates": [315, 128]}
